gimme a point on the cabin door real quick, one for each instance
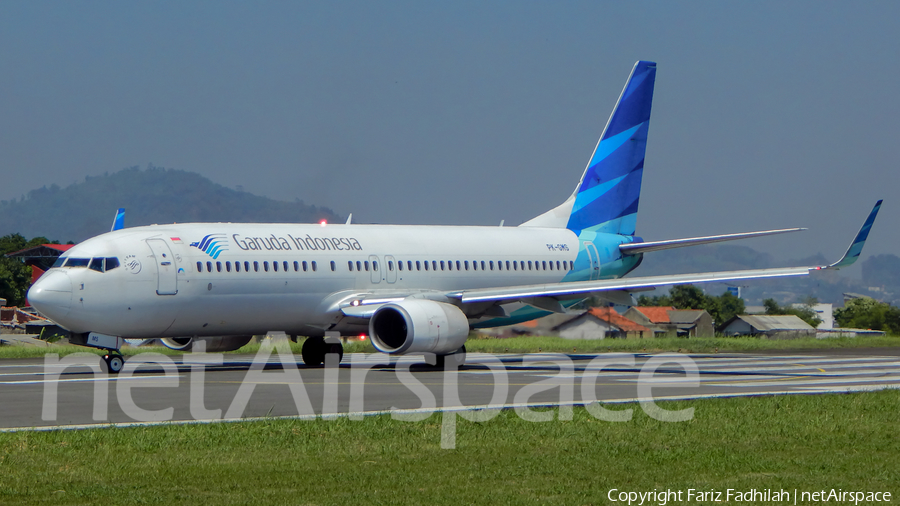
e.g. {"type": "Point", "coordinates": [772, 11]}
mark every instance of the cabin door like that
{"type": "Point", "coordinates": [167, 281]}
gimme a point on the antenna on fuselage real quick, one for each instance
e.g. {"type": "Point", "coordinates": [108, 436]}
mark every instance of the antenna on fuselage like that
{"type": "Point", "coordinates": [349, 218]}
{"type": "Point", "coordinates": [501, 222]}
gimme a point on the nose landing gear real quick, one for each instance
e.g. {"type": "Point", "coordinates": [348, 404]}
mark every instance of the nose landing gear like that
{"type": "Point", "coordinates": [114, 362]}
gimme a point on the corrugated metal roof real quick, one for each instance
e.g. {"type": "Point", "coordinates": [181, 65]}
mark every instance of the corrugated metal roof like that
{"type": "Point", "coordinates": [771, 322]}
{"type": "Point", "coordinates": [685, 315]}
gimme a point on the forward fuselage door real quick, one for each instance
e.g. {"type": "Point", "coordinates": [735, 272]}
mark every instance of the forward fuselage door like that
{"type": "Point", "coordinates": [167, 283]}
{"type": "Point", "coordinates": [376, 269]}
{"type": "Point", "coordinates": [391, 272]}
{"type": "Point", "coordinates": [594, 258]}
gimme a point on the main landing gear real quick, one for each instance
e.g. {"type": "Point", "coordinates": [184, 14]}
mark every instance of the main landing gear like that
{"type": "Point", "coordinates": [114, 362]}
{"type": "Point", "coordinates": [315, 348]}
{"type": "Point", "coordinates": [455, 359]}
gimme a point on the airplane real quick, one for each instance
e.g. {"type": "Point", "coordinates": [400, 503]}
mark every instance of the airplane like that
{"type": "Point", "coordinates": [411, 289]}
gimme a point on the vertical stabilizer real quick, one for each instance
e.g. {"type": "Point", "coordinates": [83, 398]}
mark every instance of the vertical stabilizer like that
{"type": "Point", "coordinates": [607, 196]}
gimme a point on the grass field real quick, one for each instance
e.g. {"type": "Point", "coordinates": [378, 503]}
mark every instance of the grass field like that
{"type": "Point", "coordinates": [800, 442]}
{"type": "Point", "coordinates": [550, 344]}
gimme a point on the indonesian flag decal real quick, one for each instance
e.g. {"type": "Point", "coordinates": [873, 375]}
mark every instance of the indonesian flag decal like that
{"type": "Point", "coordinates": [176, 240]}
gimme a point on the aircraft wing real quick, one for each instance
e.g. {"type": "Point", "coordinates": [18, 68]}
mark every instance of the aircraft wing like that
{"type": "Point", "coordinates": [543, 295]}
{"type": "Point", "coordinates": [587, 288]}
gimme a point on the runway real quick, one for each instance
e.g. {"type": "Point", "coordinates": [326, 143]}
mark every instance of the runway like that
{"type": "Point", "coordinates": [45, 395]}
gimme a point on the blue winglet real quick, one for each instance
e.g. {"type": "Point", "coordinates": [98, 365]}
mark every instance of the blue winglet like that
{"type": "Point", "coordinates": [856, 246]}
{"type": "Point", "coordinates": [119, 221]}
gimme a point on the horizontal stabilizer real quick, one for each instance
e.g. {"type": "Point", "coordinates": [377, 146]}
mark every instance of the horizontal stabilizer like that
{"type": "Point", "coordinates": [636, 248]}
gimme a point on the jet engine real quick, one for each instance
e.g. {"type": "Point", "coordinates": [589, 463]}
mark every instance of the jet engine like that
{"type": "Point", "coordinates": [418, 325]}
{"type": "Point", "coordinates": [213, 344]}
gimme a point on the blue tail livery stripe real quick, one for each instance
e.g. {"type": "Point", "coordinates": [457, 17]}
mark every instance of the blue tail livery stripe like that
{"type": "Point", "coordinates": [607, 200]}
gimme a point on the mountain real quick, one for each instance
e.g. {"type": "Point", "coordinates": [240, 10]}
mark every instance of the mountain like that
{"type": "Point", "coordinates": [153, 195]}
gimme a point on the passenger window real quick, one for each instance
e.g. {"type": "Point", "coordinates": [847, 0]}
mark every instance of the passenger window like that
{"type": "Point", "coordinates": [507, 264]}
{"type": "Point", "coordinates": [296, 266]}
{"type": "Point", "coordinates": [374, 265]}
{"type": "Point", "coordinates": [111, 263]}
{"type": "Point", "coordinates": [426, 265]}
{"type": "Point", "coordinates": [255, 266]}
{"type": "Point", "coordinates": [434, 265]}
{"type": "Point", "coordinates": [333, 266]}
{"type": "Point", "coordinates": [218, 266]}
{"type": "Point", "coordinates": [366, 265]}
{"type": "Point", "coordinates": [96, 265]}
{"type": "Point", "coordinates": [390, 265]}
{"type": "Point", "coordinates": [266, 266]}
{"type": "Point", "coordinates": [442, 265]}
{"type": "Point", "coordinates": [350, 265]}
{"type": "Point", "coordinates": [314, 266]}
{"type": "Point", "coordinates": [400, 265]}
{"type": "Point", "coordinates": [515, 265]}
{"type": "Point", "coordinates": [466, 264]}
{"type": "Point", "coordinates": [418, 267]}
{"type": "Point", "coordinates": [491, 263]}
{"type": "Point", "coordinates": [227, 266]}
{"type": "Point", "coordinates": [358, 265]}
{"type": "Point", "coordinates": [246, 266]}
{"type": "Point", "coordinates": [482, 265]}
{"type": "Point", "coordinates": [199, 266]}
{"type": "Point", "coordinates": [208, 266]}
{"type": "Point", "coordinates": [237, 267]}
{"type": "Point", "coordinates": [304, 266]}
{"type": "Point", "coordinates": [529, 265]}
{"type": "Point", "coordinates": [275, 266]}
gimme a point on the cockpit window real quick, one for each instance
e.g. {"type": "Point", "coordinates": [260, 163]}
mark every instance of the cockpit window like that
{"type": "Point", "coordinates": [78, 262]}
{"type": "Point", "coordinates": [59, 262]}
{"type": "Point", "coordinates": [112, 263]}
{"type": "Point", "coordinates": [96, 265]}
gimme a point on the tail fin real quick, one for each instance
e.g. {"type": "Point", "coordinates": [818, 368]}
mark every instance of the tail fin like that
{"type": "Point", "coordinates": [608, 194]}
{"type": "Point", "coordinates": [119, 220]}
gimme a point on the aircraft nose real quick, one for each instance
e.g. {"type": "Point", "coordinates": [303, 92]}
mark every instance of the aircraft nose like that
{"type": "Point", "coordinates": [52, 295]}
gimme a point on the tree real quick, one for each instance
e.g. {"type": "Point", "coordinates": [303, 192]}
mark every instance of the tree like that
{"type": "Point", "coordinates": [721, 308]}
{"type": "Point", "coordinates": [805, 312]}
{"type": "Point", "coordinates": [15, 276]}
{"type": "Point", "coordinates": [867, 313]}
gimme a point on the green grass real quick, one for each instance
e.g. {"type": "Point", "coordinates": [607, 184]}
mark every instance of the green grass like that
{"type": "Point", "coordinates": [692, 345]}
{"type": "Point", "coordinates": [544, 344]}
{"type": "Point", "coordinates": [785, 442]}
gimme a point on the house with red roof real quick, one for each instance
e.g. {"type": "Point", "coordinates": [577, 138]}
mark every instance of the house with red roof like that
{"type": "Point", "coordinates": [601, 323]}
{"type": "Point", "coordinates": [668, 321]}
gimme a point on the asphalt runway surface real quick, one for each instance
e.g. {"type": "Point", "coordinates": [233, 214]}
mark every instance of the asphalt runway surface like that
{"type": "Point", "coordinates": [38, 394]}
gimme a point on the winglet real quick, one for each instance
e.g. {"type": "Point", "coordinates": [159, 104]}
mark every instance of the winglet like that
{"type": "Point", "coordinates": [856, 246]}
{"type": "Point", "coordinates": [119, 220]}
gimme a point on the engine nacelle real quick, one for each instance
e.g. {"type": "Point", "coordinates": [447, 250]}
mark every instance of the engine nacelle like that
{"type": "Point", "coordinates": [418, 325]}
{"type": "Point", "coordinates": [213, 344]}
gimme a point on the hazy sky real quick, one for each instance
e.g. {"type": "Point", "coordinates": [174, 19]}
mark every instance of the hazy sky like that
{"type": "Point", "coordinates": [766, 114]}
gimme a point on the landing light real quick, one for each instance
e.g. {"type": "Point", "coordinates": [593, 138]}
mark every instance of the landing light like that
{"type": "Point", "coordinates": [362, 337]}
{"type": "Point", "coordinates": [323, 223]}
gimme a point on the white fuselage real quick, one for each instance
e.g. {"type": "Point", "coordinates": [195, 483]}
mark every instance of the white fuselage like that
{"type": "Point", "coordinates": [254, 278]}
